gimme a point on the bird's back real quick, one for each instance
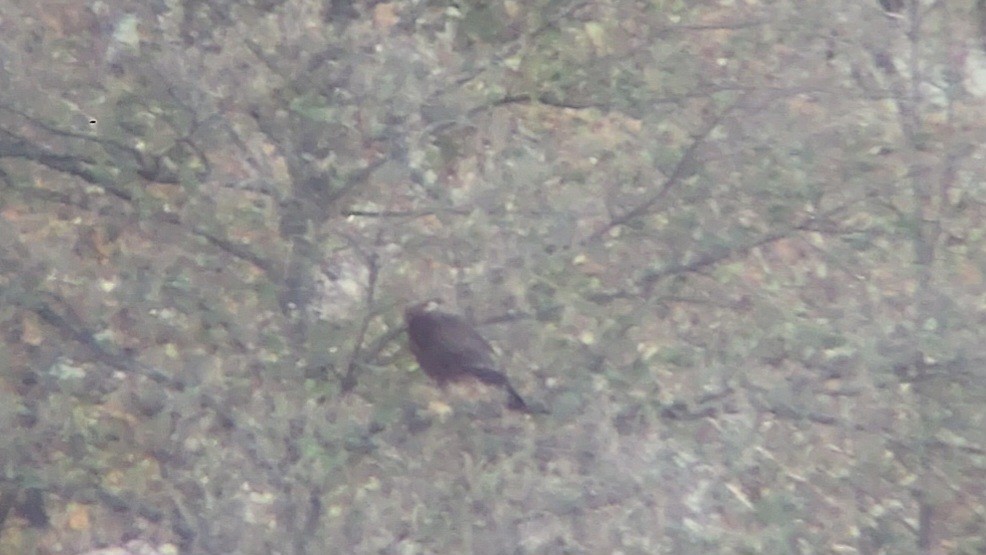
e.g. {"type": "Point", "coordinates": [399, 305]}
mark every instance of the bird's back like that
{"type": "Point", "coordinates": [446, 345]}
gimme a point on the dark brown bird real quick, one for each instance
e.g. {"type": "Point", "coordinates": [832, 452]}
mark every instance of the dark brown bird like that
{"type": "Point", "coordinates": [448, 348]}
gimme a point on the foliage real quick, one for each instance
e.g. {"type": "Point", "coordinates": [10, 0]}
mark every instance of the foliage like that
{"type": "Point", "coordinates": [736, 248]}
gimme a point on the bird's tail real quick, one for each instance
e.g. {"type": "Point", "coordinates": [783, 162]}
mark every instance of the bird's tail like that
{"type": "Point", "coordinates": [489, 376]}
{"type": "Point", "coordinates": [494, 377]}
{"type": "Point", "coordinates": [515, 401]}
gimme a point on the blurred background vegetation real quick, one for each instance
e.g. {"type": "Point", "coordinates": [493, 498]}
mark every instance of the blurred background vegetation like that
{"type": "Point", "coordinates": [737, 247]}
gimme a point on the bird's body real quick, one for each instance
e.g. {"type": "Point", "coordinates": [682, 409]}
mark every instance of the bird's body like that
{"type": "Point", "coordinates": [448, 348]}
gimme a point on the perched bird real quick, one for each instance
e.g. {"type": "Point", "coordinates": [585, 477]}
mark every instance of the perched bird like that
{"type": "Point", "coordinates": [448, 348]}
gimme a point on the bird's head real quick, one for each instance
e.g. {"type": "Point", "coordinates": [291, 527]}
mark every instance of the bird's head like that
{"type": "Point", "coordinates": [423, 307]}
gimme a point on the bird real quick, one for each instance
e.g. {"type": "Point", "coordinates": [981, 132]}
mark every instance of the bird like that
{"type": "Point", "coordinates": [448, 348]}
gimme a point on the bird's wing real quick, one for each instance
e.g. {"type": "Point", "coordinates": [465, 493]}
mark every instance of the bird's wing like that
{"type": "Point", "coordinates": [458, 338]}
